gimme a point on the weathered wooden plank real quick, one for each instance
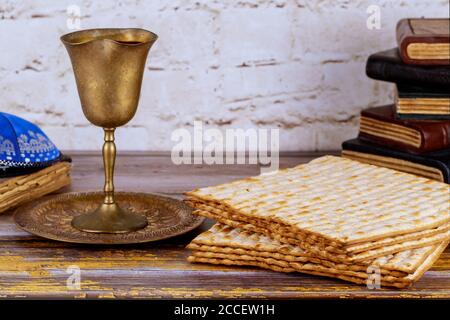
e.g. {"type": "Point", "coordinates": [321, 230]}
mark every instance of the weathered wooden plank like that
{"type": "Point", "coordinates": [39, 269]}
{"type": "Point", "coordinates": [36, 268]}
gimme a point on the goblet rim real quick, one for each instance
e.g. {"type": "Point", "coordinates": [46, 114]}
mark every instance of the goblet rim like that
{"type": "Point", "coordinates": [152, 37]}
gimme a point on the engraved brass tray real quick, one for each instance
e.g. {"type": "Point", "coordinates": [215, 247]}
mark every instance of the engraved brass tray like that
{"type": "Point", "coordinates": [51, 217]}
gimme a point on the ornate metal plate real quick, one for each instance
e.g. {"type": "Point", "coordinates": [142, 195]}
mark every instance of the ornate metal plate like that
{"type": "Point", "coordinates": [51, 217]}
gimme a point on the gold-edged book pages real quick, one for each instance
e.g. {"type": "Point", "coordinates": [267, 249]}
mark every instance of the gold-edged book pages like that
{"type": "Point", "coordinates": [424, 41]}
{"type": "Point", "coordinates": [424, 50]}
{"type": "Point", "coordinates": [395, 164]}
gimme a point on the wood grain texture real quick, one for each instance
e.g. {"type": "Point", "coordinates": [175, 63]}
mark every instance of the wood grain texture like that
{"type": "Point", "coordinates": [31, 267]}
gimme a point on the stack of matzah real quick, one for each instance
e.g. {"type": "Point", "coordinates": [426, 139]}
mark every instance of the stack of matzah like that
{"type": "Point", "coordinates": [333, 217]}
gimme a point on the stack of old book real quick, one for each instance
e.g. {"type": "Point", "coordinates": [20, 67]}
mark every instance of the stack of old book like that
{"type": "Point", "coordinates": [412, 135]}
{"type": "Point", "coordinates": [31, 166]}
{"type": "Point", "coordinates": [332, 217]}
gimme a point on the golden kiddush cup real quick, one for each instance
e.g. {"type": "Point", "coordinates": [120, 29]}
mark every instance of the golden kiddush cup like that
{"type": "Point", "coordinates": [108, 65]}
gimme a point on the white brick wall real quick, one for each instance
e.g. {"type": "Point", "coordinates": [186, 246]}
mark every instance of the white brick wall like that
{"type": "Point", "coordinates": [297, 65]}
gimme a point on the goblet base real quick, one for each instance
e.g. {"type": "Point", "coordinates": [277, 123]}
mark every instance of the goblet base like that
{"type": "Point", "coordinates": [51, 217]}
{"type": "Point", "coordinates": [109, 218]}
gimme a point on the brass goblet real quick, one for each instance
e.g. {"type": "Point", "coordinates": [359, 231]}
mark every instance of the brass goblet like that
{"type": "Point", "coordinates": [108, 65]}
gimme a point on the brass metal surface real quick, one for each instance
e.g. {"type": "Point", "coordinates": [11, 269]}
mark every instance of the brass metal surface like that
{"type": "Point", "coordinates": [109, 65]}
{"type": "Point", "coordinates": [51, 217]}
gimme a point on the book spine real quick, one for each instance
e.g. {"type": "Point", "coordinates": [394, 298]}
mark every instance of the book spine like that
{"type": "Point", "coordinates": [411, 75]}
{"type": "Point", "coordinates": [390, 143]}
{"type": "Point", "coordinates": [416, 116]}
{"type": "Point", "coordinates": [405, 36]}
{"type": "Point", "coordinates": [403, 32]}
{"type": "Point", "coordinates": [437, 140]}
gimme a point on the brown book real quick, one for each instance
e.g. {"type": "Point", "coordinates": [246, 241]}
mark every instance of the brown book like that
{"type": "Point", "coordinates": [380, 125]}
{"type": "Point", "coordinates": [432, 165]}
{"type": "Point", "coordinates": [424, 41]}
{"type": "Point", "coordinates": [18, 190]}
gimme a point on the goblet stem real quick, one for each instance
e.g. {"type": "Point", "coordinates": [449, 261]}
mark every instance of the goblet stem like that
{"type": "Point", "coordinates": [109, 159]}
{"type": "Point", "coordinates": [109, 217]}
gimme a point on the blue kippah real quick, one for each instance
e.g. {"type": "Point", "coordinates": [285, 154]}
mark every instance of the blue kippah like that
{"type": "Point", "coordinates": [24, 145]}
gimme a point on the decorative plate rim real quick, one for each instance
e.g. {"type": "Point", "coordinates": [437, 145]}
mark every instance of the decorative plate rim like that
{"type": "Point", "coordinates": [23, 212]}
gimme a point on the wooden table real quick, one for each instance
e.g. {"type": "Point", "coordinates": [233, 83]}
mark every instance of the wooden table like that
{"type": "Point", "coordinates": [31, 267]}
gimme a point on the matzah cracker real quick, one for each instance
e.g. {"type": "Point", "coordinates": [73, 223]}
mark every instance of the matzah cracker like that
{"type": "Point", "coordinates": [234, 238]}
{"type": "Point", "coordinates": [239, 263]}
{"type": "Point", "coordinates": [297, 266]}
{"type": "Point", "coordinates": [338, 200]}
{"type": "Point", "coordinates": [320, 252]}
{"type": "Point", "coordinates": [283, 259]}
{"type": "Point", "coordinates": [428, 263]}
{"type": "Point", "coordinates": [237, 247]}
{"type": "Point", "coordinates": [400, 239]}
{"type": "Point", "coordinates": [354, 250]}
{"type": "Point", "coordinates": [272, 267]}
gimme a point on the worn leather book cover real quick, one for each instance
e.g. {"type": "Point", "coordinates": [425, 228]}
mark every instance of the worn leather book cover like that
{"type": "Point", "coordinates": [433, 165]}
{"type": "Point", "coordinates": [381, 125]}
{"type": "Point", "coordinates": [413, 102]}
{"type": "Point", "coordinates": [388, 66]}
{"type": "Point", "coordinates": [424, 41]}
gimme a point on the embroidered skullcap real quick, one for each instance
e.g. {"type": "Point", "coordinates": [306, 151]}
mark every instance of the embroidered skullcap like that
{"type": "Point", "coordinates": [24, 147]}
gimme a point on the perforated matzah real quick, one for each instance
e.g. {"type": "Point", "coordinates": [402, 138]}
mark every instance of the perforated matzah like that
{"type": "Point", "coordinates": [338, 201]}
{"type": "Point", "coordinates": [221, 235]}
{"type": "Point", "coordinates": [325, 253]}
{"type": "Point", "coordinates": [351, 252]}
{"type": "Point", "coordinates": [290, 269]}
{"type": "Point", "coordinates": [225, 245]}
